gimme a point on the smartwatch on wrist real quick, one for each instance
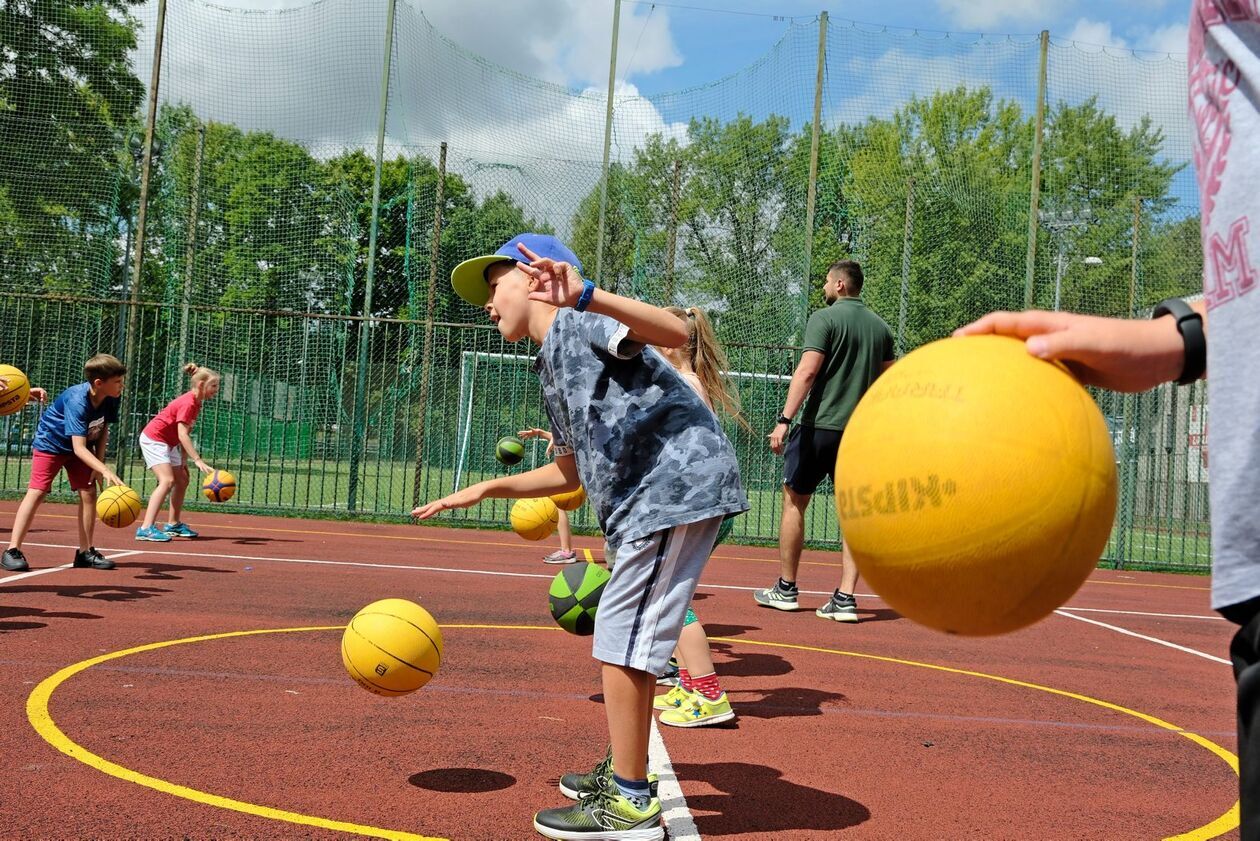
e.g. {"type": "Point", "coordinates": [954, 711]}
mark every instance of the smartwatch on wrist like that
{"type": "Point", "coordinates": [1190, 326]}
{"type": "Point", "coordinates": [784, 419]}
{"type": "Point", "coordinates": [584, 300]}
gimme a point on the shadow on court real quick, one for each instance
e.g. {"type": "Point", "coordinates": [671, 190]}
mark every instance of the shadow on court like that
{"type": "Point", "coordinates": [462, 780]}
{"type": "Point", "coordinates": [240, 541]}
{"type": "Point", "coordinates": [104, 593]}
{"type": "Point", "coordinates": [7, 613]}
{"type": "Point", "coordinates": [756, 798]}
{"type": "Point", "coordinates": [784, 702]}
{"type": "Point", "coordinates": [166, 572]}
{"type": "Point", "coordinates": [742, 663]}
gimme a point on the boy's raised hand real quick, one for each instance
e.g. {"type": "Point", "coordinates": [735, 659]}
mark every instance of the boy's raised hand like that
{"type": "Point", "coordinates": [557, 283]}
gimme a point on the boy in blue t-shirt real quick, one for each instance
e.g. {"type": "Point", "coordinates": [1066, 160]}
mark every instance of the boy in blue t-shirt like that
{"type": "Point", "coordinates": [660, 475]}
{"type": "Point", "coordinates": [72, 433]}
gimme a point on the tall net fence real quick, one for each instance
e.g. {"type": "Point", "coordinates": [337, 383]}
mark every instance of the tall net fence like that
{"type": "Point", "coordinates": [355, 382]}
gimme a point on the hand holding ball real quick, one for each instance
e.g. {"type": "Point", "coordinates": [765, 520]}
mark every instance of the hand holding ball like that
{"type": "Point", "coordinates": [118, 506]}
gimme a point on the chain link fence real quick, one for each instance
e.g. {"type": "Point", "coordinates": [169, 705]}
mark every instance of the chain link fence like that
{"type": "Point", "coordinates": [966, 174]}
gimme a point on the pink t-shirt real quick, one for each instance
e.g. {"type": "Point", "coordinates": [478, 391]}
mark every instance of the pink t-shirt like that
{"type": "Point", "coordinates": [165, 424]}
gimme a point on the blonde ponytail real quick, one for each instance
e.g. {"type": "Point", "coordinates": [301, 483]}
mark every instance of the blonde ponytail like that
{"type": "Point", "coordinates": [704, 353]}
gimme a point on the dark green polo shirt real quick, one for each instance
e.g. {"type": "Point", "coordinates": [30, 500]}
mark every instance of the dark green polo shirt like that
{"type": "Point", "coordinates": [856, 343]}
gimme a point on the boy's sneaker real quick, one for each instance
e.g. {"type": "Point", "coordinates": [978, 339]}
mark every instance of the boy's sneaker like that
{"type": "Point", "coordinates": [91, 558]}
{"type": "Point", "coordinates": [152, 534]}
{"type": "Point", "coordinates": [778, 599]}
{"type": "Point", "coordinates": [14, 561]}
{"type": "Point", "coordinates": [669, 677]}
{"type": "Point", "coordinates": [839, 607]}
{"type": "Point", "coordinates": [578, 786]}
{"type": "Point", "coordinates": [699, 711]}
{"type": "Point", "coordinates": [605, 815]}
{"type": "Point", "coordinates": [561, 556]}
{"type": "Point", "coordinates": [178, 530]}
{"type": "Point", "coordinates": [671, 700]}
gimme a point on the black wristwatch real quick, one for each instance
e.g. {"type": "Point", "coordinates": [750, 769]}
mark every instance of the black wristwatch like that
{"type": "Point", "coordinates": [1190, 326]}
{"type": "Point", "coordinates": [784, 419]}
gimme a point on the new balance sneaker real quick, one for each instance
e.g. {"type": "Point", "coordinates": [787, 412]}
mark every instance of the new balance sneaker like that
{"type": "Point", "coordinates": [561, 556]}
{"type": "Point", "coordinates": [14, 561]}
{"type": "Point", "coordinates": [671, 700]}
{"type": "Point", "coordinates": [91, 558]}
{"type": "Point", "coordinates": [578, 786]}
{"type": "Point", "coordinates": [604, 815]}
{"type": "Point", "coordinates": [669, 677]}
{"type": "Point", "coordinates": [699, 711]}
{"type": "Point", "coordinates": [152, 534]}
{"type": "Point", "coordinates": [178, 530]}
{"type": "Point", "coordinates": [778, 599]}
{"type": "Point", "coordinates": [840, 607]}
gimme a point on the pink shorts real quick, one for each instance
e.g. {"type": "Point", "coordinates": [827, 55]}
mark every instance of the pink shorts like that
{"type": "Point", "coordinates": [46, 466]}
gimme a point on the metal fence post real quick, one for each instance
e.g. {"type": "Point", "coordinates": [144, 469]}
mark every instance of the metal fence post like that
{"type": "Point", "coordinates": [811, 188]}
{"type": "Point", "coordinates": [426, 356]}
{"type": "Point", "coordinates": [1034, 192]}
{"type": "Point", "coordinates": [608, 117]}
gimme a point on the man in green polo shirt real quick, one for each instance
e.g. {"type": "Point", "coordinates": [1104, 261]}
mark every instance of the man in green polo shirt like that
{"type": "Point", "coordinates": [846, 347]}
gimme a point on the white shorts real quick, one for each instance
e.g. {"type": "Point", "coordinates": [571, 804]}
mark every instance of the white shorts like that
{"type": "Point", "coordinates": [156, 452]}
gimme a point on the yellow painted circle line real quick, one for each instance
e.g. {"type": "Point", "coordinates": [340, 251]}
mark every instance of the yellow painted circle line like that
{"type": "Point", "coordinates": [1225, 823]}
{"type": "Point", "coordinates": [40, 718]}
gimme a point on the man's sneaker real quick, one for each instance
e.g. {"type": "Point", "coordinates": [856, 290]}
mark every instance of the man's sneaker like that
{"type": "Point", "coordinates": [14, 561]}
{"type": "Point", "coordinates": [152, 534]}
{"type": "Point", "coordinates": [92, 558]}
{"type": "Point", "coordinates": [669, 677]}
{"type": "Point", "coordinates": [605, 815]}
{"type": "Point", "coordinates": [840, 608]}
{"type": "Point", "coordinates": [178, 530]}
{"type": "Point", "coordinates": [671, 700]}
{"type": "Point", "coordinates": [578, 786]}
{"type": "Point", "coordinates": [776, 598]}
{"type": "Point", "coordinates": [561, 556]}
{"type": "Point", "coordinates": [699, 711]}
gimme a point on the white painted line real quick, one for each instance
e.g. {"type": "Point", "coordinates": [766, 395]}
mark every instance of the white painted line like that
{"type": "Point", "coordinates": [124, 554]}
{"type": "Point", "coordinates": [1212, 617]}
{"type": "Point", "coordinates": [1155, 640]}
{"type": "Point", "coordinates": [674, 811]}
{"type": "Point", "coordinates": [34, 573]}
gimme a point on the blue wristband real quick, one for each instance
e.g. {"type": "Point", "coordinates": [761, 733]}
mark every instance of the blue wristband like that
{"type": "Point", "coordinates": [584, 300]}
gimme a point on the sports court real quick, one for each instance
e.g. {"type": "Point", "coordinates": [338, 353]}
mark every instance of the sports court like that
{"type": "Point", "coordinates": [197, 691]}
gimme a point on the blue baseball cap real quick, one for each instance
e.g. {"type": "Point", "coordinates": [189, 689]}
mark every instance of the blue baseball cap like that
{"type": "Point", "coordinates": [469, 277]}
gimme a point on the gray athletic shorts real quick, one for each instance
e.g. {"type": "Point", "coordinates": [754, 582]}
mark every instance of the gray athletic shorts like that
{"type": "Point", "coordinates": [644, 604]}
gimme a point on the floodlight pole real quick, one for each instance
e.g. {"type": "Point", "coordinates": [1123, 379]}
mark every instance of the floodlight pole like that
{"type": "Point", "coordinates": [1030, 266]}
{"type": "Point", "coordinates": [365, 326]}
{"type": "Point", "coordinates": [608, 116]}
{"type": "Point", "coordinates": [811, 187]}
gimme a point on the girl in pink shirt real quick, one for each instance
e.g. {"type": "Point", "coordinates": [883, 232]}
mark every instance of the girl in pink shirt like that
{"type": "Point", "coordinates": [164, 442]}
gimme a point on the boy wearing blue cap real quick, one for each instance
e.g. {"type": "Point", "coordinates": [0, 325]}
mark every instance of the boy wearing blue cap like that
{"type": "Point", "coordinates": [660, 475]}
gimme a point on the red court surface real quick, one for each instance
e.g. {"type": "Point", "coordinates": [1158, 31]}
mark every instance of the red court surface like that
{"type": "Point", "coordinates": [1110, 720]}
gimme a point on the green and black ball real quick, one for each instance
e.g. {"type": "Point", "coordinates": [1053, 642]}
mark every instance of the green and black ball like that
{"type": "Point", "coordinates": [510, 450]}
{"type": "Point", "coordinates": [574, 597]}
{"type": "Point", "coordinates": [724, 530]}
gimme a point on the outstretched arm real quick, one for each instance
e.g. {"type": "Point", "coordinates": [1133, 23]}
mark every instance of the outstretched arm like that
{"type": "Point", "coordinates": [559, 476]}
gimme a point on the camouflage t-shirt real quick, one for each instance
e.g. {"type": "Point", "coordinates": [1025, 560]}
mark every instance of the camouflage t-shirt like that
{"type": "Point", "coordinates": [650, 454]}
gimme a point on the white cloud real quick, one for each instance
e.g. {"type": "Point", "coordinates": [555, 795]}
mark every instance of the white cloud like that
{"type": "Point", "coordinates": [1095, 33]}
{"type": "Point", "coordinates": [987, 14]}
{"type": "Point", "coordinates": [1166, 39]}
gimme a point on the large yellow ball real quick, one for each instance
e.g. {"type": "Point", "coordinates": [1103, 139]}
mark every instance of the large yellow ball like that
{"type": "Point", "coordinates": [118, 506]}
{"type": "Point", "coordinates": [535, 519]}
{"type": "Point", "coordinates": [976, 486]}
{"type": "Point", "coordinates": [569, 501]}
{"type": "Point", "coordinates": [14, 397]}
{"type": "Point", "coordinates": [392, 647]}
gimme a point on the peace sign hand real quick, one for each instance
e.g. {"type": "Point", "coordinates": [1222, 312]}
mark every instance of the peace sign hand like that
{"type": "Point", "coordinates": [553, 282]}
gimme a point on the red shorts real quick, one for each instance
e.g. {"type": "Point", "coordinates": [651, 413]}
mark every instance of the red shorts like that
{"type": "Point", "coordinates": [46, 466]}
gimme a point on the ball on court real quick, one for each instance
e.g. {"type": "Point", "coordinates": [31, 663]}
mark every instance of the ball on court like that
{"type": "Point", "coordinates": [218, 486]}
{"type": "Point", "coordinates": [13, 398]}
{"type": "Point", "coordinates": [392, 647]}
{"type": "Point", "coordinates": [976, 486]}
{"type": "Point", "coordinates": [574, 597]}
{"type": "Point", "coordinates": [569, 501]}
{"type": "Point", "coordinates": [510, 450]}
{"type": "Point", "coordinates": [535, 519]}
{"type": "Point", "coordinates": [118, 506]}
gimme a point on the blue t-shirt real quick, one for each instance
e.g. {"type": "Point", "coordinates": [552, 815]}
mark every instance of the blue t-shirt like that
{"type": "Point", "coordinates": [72, 413]}
{"type": "Point", "coordinates": [650, 453]}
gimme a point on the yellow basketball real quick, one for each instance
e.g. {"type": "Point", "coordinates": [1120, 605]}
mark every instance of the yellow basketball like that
{"type": "Point", "coordinates": [14, 397]}
{"type": "Point", "coordinates": [976, 486]}
{"type": "Point", "coordinates": [392, 647]}
{"type": "Point", "coordinates": [535, 519]}
{"type": "Point", "coordinates": [218, 486]}
{"type": "Point", "coordinates": [570, 501]}
{"type": "Point", "coordinates": [118, 506]}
